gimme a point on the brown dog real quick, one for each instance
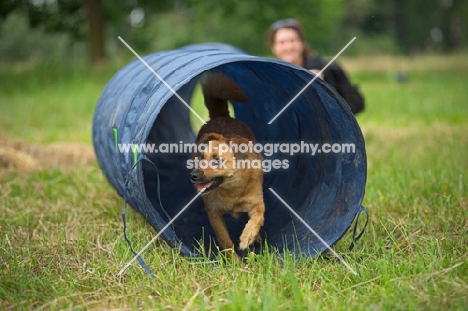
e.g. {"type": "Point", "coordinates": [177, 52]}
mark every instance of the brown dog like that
{"type": "Point", "coordinates": [229, 187]}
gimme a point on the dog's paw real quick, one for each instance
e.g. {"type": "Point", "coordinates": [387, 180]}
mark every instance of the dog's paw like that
{"type": "Point", "coordinates": [231, 255]}
{"type": "Point", "coordinates": [243, 245]}
{"type": "Point", "coordinates": [248, 238]}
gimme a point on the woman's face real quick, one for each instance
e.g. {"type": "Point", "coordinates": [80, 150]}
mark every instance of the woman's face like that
{"type": "Point", "coordinates": [288, 46]}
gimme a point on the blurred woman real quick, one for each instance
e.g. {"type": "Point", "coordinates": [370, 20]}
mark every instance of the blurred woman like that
{"type": "Point", "coordinates": [287, 42]}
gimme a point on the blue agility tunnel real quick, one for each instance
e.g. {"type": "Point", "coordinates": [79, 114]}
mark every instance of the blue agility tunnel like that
{"type": "Point", "coordinates": [325, 189]}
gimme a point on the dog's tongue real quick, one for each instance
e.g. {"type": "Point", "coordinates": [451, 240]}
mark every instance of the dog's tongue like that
{"type": "Point", "coordinates": [203, 187]}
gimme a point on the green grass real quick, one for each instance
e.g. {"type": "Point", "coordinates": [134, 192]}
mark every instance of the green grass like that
{"type": "Point", "coordinates": [50, 102]}
{"type": "Point", "coordinates": [61, 243]}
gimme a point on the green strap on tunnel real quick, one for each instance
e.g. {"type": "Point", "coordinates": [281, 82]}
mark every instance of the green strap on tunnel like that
{"type": "Point", "coordinates": [116, 139]}
{"type": "Point", "coordinates": [116, 146]}
{"type": "Point", "coordinates": [135, 155]}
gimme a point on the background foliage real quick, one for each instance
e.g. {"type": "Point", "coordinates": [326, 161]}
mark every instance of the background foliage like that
{"type": "Point", "coordinates": [60, 29]}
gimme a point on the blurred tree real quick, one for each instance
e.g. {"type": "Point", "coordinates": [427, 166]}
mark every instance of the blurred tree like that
{"type": "Point", "coordinates": [241, 23]}
{"type": "Point", "coordinates": [81, 19]}
{"type": "Point", "coordinates": [155, 25]}
{"type": "Point", "coordinates": [55, 16]}
{"type": "Point", "coordinates": [442, 26]}
{"type": "Point", "coordinates": [95, 21]}
{"type": "Point", "coordinates": [6, 7]}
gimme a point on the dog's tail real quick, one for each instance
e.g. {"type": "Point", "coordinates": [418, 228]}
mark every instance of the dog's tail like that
{"type": "Point", "coordinates": [218, 88]}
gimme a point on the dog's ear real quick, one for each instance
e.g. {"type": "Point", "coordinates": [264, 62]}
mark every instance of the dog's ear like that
{"type": "Point", "coordinates": [211, 136]}
{"type": "Point", "coordinates": [237, 152]}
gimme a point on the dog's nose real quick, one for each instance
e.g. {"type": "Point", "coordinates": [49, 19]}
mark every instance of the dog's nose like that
{"type": "Point", "coordinates": [195, 175]}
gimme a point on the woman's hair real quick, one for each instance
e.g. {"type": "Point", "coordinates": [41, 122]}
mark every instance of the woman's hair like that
{"type": "Point", "coordinates": [291, 23]}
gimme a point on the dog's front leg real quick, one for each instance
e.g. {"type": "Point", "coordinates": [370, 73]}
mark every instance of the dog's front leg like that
{"type": "Point", "coordinates": [252, 228]}
{"type": "Point", "coordinates": [219, 227]}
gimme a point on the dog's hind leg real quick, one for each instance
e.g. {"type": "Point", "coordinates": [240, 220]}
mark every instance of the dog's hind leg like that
{"type": "Point", "coordinates": [250, 233]}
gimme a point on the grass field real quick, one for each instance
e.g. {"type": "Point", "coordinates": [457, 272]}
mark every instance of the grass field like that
{"type": "Point", "coordinates": [61, 243]}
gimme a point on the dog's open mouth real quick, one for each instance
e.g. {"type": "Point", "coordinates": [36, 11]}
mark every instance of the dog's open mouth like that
{"type": "Point", "coordinates": [209, 186]}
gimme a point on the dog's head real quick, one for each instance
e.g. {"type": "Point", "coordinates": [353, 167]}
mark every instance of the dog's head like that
{"type": "Point", "coordinates": [215, 162]}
